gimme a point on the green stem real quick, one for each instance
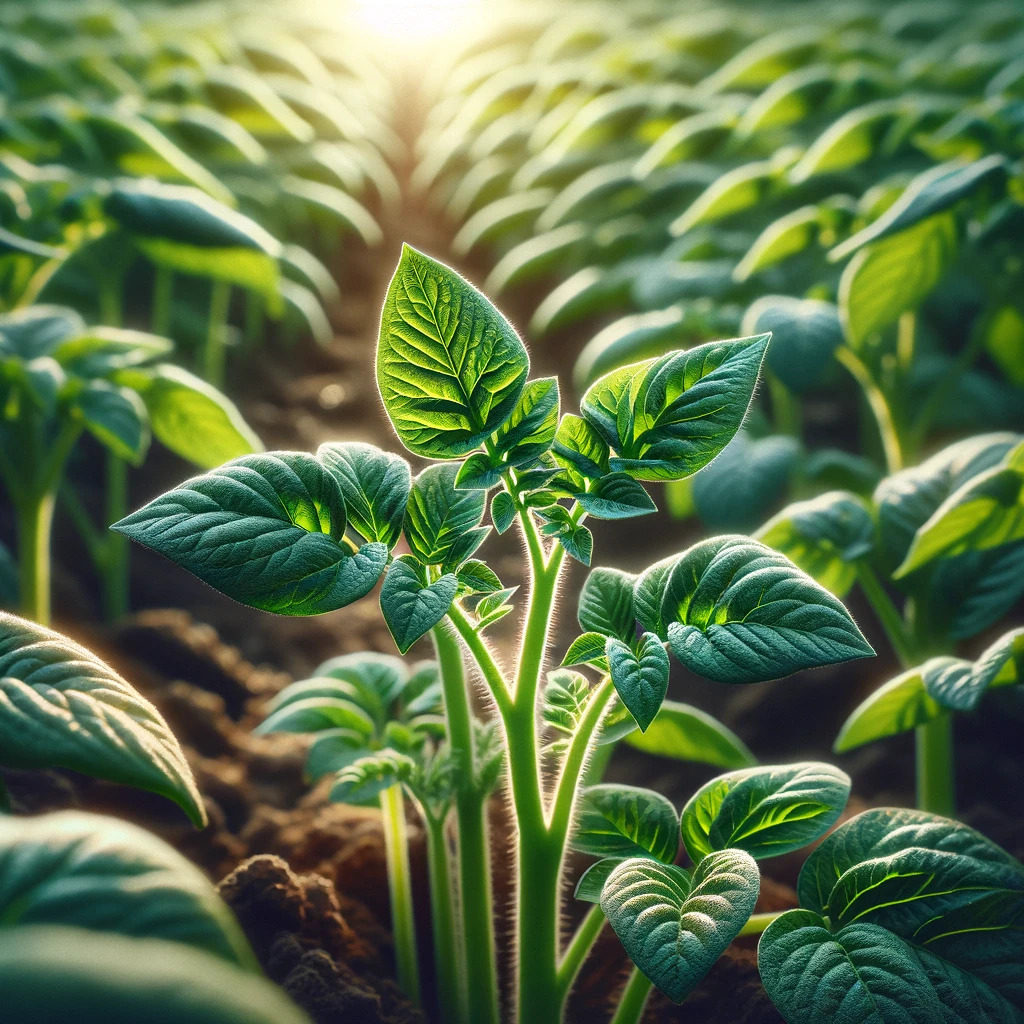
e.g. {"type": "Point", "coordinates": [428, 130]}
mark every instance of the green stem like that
{"type": "Point", "coordinates": [76, 511]}
{"type": "Point", "coordinates": [35, 521]}
{"type": "Point", "coordinates": [936, 787]}
{"type": "Point", "coordinates": [579, 948]}
{"type": "Point", "coordinates": [879, 406]}
{"type": "Point", "coordinates": [403, 924]}
{"type": "Point", "coordinates": [785, 407]}
{"type": "Point", "coordinates": [634, 998]}
{"type": "Point", "coordinates": [906, 330]}
{"type": "Point", "coordinates": [891, 620]}
{"type": "Point", "coordinates": [758, 922]}
{"type": "Point", "coordinates": [474, 850]}
{"type": "Point", "coordinates": [111, 312]}
{"type": "Point", "coordinates": [449, 960]}
{"type": "Point", "coordinates": [163, 300]}
{"type": "Point", "coordinates": [482, 657]}
{"type": "Point", "coordinates": [213, 351]}
{"type": "Point", "coordinates": [116, 583]}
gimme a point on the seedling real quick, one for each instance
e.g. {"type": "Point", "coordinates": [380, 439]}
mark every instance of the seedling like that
{"type": "Point", "coordinates": [300, 534]}
{"type": "Point", "coordinates": [59, 379]}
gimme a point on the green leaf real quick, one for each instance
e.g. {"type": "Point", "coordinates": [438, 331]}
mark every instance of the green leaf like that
{"type": "Point", "coordinates": [578, 543]}
{"type": "Point", "coordinates": [106, 875]}
{"type": "Point", "coordinates": [688, 734]}
{"type": "Point", "coordinates": [669, 417]}
{"type": "Point", "coordinates": [503, 511]}
{"type": "Point", "coordinates": [530, 430]}
{"type": "Point", "coordinates": [101, 351]}
{"type": "Point", "coordinates": [412, 608]}
{"type": "Point", "coordinates": [375, 485]}
{"type": "Point", "coordinates": [442, 523]}
{"type": "Point", "coordinates": [624, 821]}
{"type": "Point", "coordinates": [805, 333]}
{"type": "Point", "coordinates": [266, 530]}
{"type": "Point", "coordinates": [733, 192]}
{"type": "Point", "coordinates": [450, 368]}
{"type": "Point", "coordinates": [332, 750]}
{"type": "Point", "coordinates": [986, 512]}
{"type": "Point", "coordinates": [824, 536]}
{"type": "Point", "coordinates": [606, 604]}
{"type": "Point", "coordinates": [784, 237]}
{"type": "Point", "coordinates": [478, 577]}
{"type": "Point", "coordinates": [59, 973]}
{"type": "Point", "coordinates": [364, 779]}
{"type": "Point", "coordinates": [64, 708]}
{"type": "Point", "coordinates": [616, 496]}
{"type": "Point", "coordinates": [847, 142]}
{"type": "Point", "coordinates": [640, 677]}
{"type": "Point", "coordinates": [580, 448]}
{"type": "Point", "coordinates": [38, 330]}
{"type": "Point", "coordinates": [735, 611]}
{"type": "Point", "coordinates": [766, 811]}
{"type": "Point", "coordinates": [317, 712]}
{"type": "Point", "coordinates": [587, 649]}
{"type": "Point", "coordinates": [895, 275]}
{"type": "Point", "coordinates": [117, 419]}
{"type": "Point", "coordinates": [591, 882]}
{"type": "Point", "coordinates": [478, 472]}
{"type": "Point", "coordinates": [187, 415]}
{"type": "Point", "coordinates": [493, 607]}
{"type": "Point", "coordinates": [565, 698]}
{"type": "Point", "coordinates": [675, 927]}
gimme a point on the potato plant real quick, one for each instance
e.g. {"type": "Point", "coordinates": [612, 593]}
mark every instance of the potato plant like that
{"type": "Point", "coordinates": [302, 534]}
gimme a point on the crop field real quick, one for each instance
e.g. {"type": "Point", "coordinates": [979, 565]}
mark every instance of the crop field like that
{"type": "Point", "coordinates": [511, 513]}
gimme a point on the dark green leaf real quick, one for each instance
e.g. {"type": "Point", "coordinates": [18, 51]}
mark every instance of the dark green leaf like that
{"type": "Point", "coordinates": [616, 496]}
{"type": "Point", "coordinates": [578, 543]}
{"type": "Point", "coordinates": [689, 734]}
{"type": "Point", "coordinates": [591, 882]}
{"type": "Point", "coordinates": [38, 330]}
{"type": "Point", "coordinates": [624, 821]}
{"type": "Point", "coordinates": [315, 713]}
{"type": "Point", "coordinates": [503, 511]}
{"type": "Point", "coordinates": [116, 417]}
{"type": "Point", "coordinates": [766, 811]}
{"type": "Point", "coordinates": [449, 366]}
{"type": "Point", "coordinates": [412, 608]}
{"type": "Point", "coordinates": [441, 523]}
{"type": "Point", "coordinates": [64, 708]}
{"type": "Point", "coordinates": [478, 472]}
{"type": "Point", "coordinates": [478, 577]}
{"type": "Point", "coordinates": [640, 677]}
{"type": "Point", "coordinates": [606, 604]}
{"type": "Point", "coordinates": [266, 530]}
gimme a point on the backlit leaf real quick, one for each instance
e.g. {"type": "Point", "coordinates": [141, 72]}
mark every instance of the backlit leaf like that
{"type": "Point", "coordinates": [625, 821]}
{"type": "Point", "coordinates": [688, 734]}
{"type": "Point", "coordinates": [442, 523]}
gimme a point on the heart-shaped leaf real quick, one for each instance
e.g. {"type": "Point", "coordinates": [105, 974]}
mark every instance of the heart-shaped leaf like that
{"type": "Point", "coordinates": [688, 734]}
{"type": "Point", "coordinates": [442, 523]}
{"type": "Point", "coordinates": [450, 368]}
{"type": "Point", "coordinates": [640, 677]}
{"type": "Point", "coordinates": [668, 417]}
{"type": "Point", "coordinates": [675, 927]}
{"type": "Point", "coordinates": [824, 536]}
{"type": "Point", "coordinates": [411, 607]}
{"type": "Point", "coordinates": [606, 604]}
{"type": "Point", "coordinates": [106, 875]}
{"type": "Point", "coordinates": [266, 530]}
{"type": "Point", "coordinates": [62, 707]}
{"type": "Point", "coordinates": [766, 811]}
{"type": "Point", "coordinates": [625, 821]}
{"type": "Point", "coordinates": [735, 611]}
{"type": "Point", "coordinates": [375, 485]}
{"type": "Point", "coordinates": [50, 973]}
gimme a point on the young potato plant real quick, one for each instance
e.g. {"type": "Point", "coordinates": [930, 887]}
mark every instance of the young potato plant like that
{"type": "Point", "coordinates": [949, 536]}
{"type": "Point", "coordinates": [60, 378]}
{"type": "Point", "coordinates": [300, 534]}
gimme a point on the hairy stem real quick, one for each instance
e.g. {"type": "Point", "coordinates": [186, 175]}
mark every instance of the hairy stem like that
{"type": "Point", "coordinates": [579, 948]}
{"type": "Point", "coordinates": [116, 584]}
{"type": "Point", "coordinates": [633, 1000]}
{"type": "Point", "coordinates": [403, 925]}
{"type": "Point", "coordinates": [449, 959]}
{"type": "Point", "coordinates": [936, 784]}
{"type": "Point", "coordinates": [473, 849]}
{"type": "Point", "coordinates": [891, 445]}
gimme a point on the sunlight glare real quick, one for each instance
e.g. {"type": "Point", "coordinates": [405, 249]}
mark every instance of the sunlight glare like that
{"type": "Point", "coordinates": [412, 20]}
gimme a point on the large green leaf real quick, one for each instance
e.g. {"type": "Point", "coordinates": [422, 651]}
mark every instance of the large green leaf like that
{"type": "Point", "coordinates": [64, 708]}
{"type": "Point", "coordinates": [616, 496]}
{"type": "Point", "coordinates": [375, 485]}
{"type": "Point", "coordinates": [50, 973]}
{"type": "Point", "coordinates": [266, 530]}
{"type": "Point", "coordinates": [640, 676]}
{"type": "Point", "coordinates": [895, 275]}
{"type": "Point", "coordinates": [735, 611]}
{"type": "Point", "coordinates": [668, 417]}
{"type": "Point", "coordinates": [766, 811]}
{"type": "Point", "coordinates": [442, 524]}
{"type": "Point", "coordinates": [411, 606]}
{"type": "Point", "coordinates": [606, 604]}
{"type": "Point", "coordinates": [193, 419]}
{"type": "Point", "coordinates": [986, 512]}
{"type": "Point", "coordinates": [106, 875]}
{"type": "Point", "coordinates": [688, 734]}
{"type": "Point", "coordinates": [625, 821]}
{"type": "Point", "coordinates": [450, 368]}
{"type": "Point", "coordinates": [116, 418]}
{"type": "Point", "coordinates": [675, 927]}
{"type": "Point", "coordinates": [824, 536]}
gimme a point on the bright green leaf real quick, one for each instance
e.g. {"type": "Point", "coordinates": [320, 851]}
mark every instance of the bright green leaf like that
{"type": "Point", "coordinates": [625, 821]}
{"type": "Point", "coordinates": [442, 523]}
{"type": "Point", "coordinates": [686, 733]}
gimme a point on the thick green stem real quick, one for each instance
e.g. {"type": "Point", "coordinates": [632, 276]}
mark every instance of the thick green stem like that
{"type": "Point", "coordinates": [449, 958]}
{"type": "Point", "coordinates": [116, 585]}
{"type": "Point", "coordinates": [403, 924]}
{"type": "Point", "coordinates": [758, 922]}
{"type": "Point", "coordinates": [936, 787]}
{"type": "Point", "coordinates": [213, 352]}
{"type": "Point", "coordinates": [634, 998]}
{"type": "Point", "coordinates": [473, 848]}
{"type": "Point", "coordinates": [891, 445]}
{"type": "Point", "coordinates": [579, 948]}
{"type": "Point", "coordinates": [163, 300]}
{"type": "Point", "coordinates": [35, 521]}
{"type": "Point", "coordinates": [891, 620]}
